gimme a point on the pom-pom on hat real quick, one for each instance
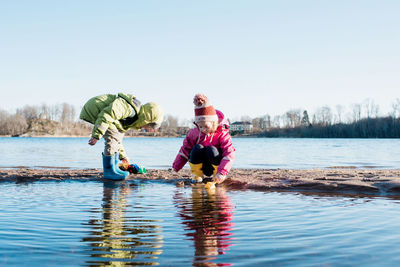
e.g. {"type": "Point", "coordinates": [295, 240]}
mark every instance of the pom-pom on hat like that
{"type": "Point", "coordinates": [203, 110]}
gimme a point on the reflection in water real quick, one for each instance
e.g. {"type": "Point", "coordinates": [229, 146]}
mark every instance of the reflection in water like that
{"type": "Point", "coordinates": [207, 218]}
{"type": "Point", "coordinates": [122, 237]}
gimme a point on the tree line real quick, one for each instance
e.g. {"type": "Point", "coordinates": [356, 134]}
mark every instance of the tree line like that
{"type": "Point", "coordinates": [357, 121]}
{"type": "Point", "coordinates": [62, 120]}
{"type": "Point", "coordinates": [43, 120]}
{"type": "Point", "coordinates": [385, 127]}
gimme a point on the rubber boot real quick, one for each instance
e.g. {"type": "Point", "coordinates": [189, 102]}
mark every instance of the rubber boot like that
{"type": "Point", "coordinates": [215, 169]}
{"type": "Point", "coordinates": [197, 171]}
{"type": "Point", "coordinates": [211, 185]}
{"type": "Point", "coordinates": [118, 170]}
{"type": "Point", "coordinates": [109, 169]}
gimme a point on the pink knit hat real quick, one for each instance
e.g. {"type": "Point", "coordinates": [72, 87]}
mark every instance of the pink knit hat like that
{"type": "Point", "coordinates": [203, 110]}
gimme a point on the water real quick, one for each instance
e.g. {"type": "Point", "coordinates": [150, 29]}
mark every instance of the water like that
{"type": "Point", "coordinates": [129, 223]}
{"type": "Point", "coordinates": [118, 224]}
{"type": "Point", "coordinates": [159, 153]}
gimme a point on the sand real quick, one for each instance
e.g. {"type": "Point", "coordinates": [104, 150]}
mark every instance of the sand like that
{"type": "Point", "coordinates": [377, 182]}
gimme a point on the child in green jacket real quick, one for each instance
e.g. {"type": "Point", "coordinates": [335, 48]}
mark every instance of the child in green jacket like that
{"type": "Point", "coordinates": [112, 115]}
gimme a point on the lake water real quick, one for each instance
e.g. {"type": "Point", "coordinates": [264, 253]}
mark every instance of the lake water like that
{"type": "Point", "coordinates": [131, 223]}
{"type": "Point", "coordinates": [128, 223]}
{"type": "Point", "coordinates": [288, 153]}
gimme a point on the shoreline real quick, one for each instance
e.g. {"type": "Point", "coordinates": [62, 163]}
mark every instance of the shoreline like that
{"type": "Point", "coordinates": [342, 181]}
{"type": "Point", "coordinates": [78, 136]}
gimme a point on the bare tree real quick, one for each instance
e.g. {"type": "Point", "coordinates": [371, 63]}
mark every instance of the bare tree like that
{"type": "Point", "coordinates": [18, 125]}
{"type": "Point", "coordinates": [339, 112]}
{"type": "Point", "coordinates": [29, 112]}
{"type": "Point", "coordinates": [67, 113]}
{"type": "Point", "coordinates": [44, 112]}
{"type": "Point", "coordinates": [396, 109]}
{"type": "Point", "coordinates": [267, 123]}
{"type": "Point", "coordinates": [54, 112]}
{"type": "Point", "coordinates": [323, 116]}
{"type": "Point", "coordinates": [293, 118]}
{"type": "Point", "coordinates": [371, 110]}
{"type": "Point", "coordinates": [277, 121]}
{"type": "Point", "coordinates": [186, 123]}
{"type": "Point", "coordinates": [3, 115]}
{"type": "Point", "coordinates": [169, 125]}
{"type": "Point", "coordinates": [12, 124]}
{"type": "Point", "coordinates": [257, 123]}
{"type": "Point", "coordinates": [356, 112]}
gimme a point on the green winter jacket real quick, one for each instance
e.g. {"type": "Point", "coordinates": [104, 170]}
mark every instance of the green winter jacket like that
{"type": "Point", "coordinates": [119, 112]}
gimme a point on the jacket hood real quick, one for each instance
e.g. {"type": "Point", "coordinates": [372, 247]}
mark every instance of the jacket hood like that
{"type": "Point", "coordinates": [221, 119]}
{"type": "Point", "coordinates": [150, 113]}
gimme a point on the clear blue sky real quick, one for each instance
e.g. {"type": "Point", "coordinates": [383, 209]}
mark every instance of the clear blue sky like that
{"type": "Point", "coordinates": [251, 57]}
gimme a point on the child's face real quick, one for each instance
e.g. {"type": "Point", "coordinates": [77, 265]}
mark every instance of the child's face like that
{"type": "Point", "coordinates": [151, 127]}
{"type": "Point", "coordinates": [206, 127]}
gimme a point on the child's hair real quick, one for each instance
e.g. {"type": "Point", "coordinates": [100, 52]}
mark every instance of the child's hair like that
{"type": "Point", "coordinates": [213, 125]}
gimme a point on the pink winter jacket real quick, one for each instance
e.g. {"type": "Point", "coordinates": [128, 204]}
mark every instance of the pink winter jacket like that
{"type": "Point", "coordinates": [220, 139]}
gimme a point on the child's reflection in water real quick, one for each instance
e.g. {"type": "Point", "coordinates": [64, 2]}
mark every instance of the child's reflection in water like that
{"type": "Point", "coordinates": [207, 215]}
{"type": "Point", "coordinates": [116, 238]}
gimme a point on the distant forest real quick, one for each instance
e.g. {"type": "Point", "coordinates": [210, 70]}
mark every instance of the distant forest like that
{"type": "Point", "coordinates": [43, 120]}
{"type": "Point", "coordinates": [385, 127]}
{"type": "Point", "coordinates": [357, 121]}
{"type": "Point", "coordinates": [62, 120]}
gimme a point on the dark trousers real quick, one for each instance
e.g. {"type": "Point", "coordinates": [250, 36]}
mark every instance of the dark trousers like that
{"type": "Point", "coordinates": [208, 155]}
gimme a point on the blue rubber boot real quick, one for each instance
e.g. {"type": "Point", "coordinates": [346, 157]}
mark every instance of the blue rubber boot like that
{"type": "Point", "coordinates": [118, 170]}
{"type": "Point", "coordinates": [109, 169]}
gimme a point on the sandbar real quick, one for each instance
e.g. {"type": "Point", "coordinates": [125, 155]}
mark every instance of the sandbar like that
{"type": "Point", "coordinates": [376, 182]}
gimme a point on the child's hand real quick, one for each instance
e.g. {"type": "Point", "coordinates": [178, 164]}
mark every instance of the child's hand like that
{"type": "Point", "coordinates": [219, 178]}
{"type": "Point", "coordinates": [125, 161]}
{"type": "Point", "coordinates": [93, 141]}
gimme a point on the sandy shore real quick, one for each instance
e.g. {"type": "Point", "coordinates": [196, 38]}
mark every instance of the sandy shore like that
{"type": "Point", "coordinates": [335, 181]}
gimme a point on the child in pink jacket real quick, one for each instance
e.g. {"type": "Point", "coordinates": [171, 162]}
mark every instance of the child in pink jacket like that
{"type": "Point", "coordinates": [208, 147]}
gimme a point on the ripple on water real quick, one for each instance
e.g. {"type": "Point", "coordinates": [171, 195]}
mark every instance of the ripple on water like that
{"type": "Point", "coordinates": [74, 223]}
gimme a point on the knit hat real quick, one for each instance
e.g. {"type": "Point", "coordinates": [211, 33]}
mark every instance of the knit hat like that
{"type": "Point", "coordinates": [203, 110]}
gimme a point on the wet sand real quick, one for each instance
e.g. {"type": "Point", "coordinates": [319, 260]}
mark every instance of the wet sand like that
{"type": "Point", "coordinates": [379, 182]}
